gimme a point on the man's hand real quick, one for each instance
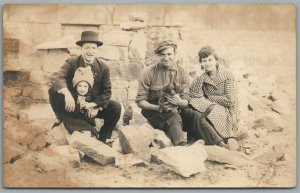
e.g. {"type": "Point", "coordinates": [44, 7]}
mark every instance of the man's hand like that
{"type": "Point", "coordinates": [87, 105]}
{"type": "Point", "coordinates": [176, 100]}
{"type": "Point", "coordinates": [91, 113]}
{"type": "Point", "coordinates": [70, 102]}
{"type": "Point", "coordinates": [166, 107]}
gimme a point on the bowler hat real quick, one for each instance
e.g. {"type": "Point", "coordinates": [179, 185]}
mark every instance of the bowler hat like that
{"type": "Point", "coordinates": [164, 45]}
{"type": "Point", "coordinates": [89, 37]}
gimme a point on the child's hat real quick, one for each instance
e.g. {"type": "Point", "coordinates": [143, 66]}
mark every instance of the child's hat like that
{"type": "Point", "coordinates": [83, 74]}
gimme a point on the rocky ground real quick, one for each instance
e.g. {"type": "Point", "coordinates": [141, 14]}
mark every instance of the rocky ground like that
{"type": "Point", "coordinates": [36, 156]}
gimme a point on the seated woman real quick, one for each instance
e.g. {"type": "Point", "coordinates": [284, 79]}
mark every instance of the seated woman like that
{"type": "Point", "coordinates": [214, 96]}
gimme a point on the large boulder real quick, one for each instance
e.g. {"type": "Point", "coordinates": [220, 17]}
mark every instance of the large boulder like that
{"type": "Point", "coordinates": [39, 142]}
{"type": "Point", "coordinates": [184, 160]}
{"type": "Point", "coordinates": [98, 151]}
{"type": "Point", "coordinates": [270, 121]}
{"type": "Point", "coordinates": [160, 139]}
{"type": "Point", "coordinates": [58, 135]}
{"type": "Point", "coordinates": [39, 77]}
{"type": "Point", "coordinates": [270, 153]}
{"type": "Point", "coordinates": [130, 160]}
{"type": "Point", "coordinates": [136, 140]}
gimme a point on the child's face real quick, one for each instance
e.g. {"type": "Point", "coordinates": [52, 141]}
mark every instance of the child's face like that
{"type": "Point", "coordinates": [82, 88]}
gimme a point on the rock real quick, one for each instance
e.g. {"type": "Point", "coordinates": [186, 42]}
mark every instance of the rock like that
{"type": "Point", "coordinates": [222, 155]}
{"type": "Point", "coordinates": [13, 78]}
{"type": "Point", "coordinates": [138, 118]}
{"type": "Point", "coordinates": [132, 90]}
{"type": "Point", "coordinates": [40, 93]}
{"type": "Point", "coordinates": [117, 38]}
{"type": "Point", "coordinates": [179, 158]}
{"type": "Point", "coordinates": [39, 77]}
{"type": "Point", "coordinates": [98, 151]}
{"type": "Point", "coordinates": [281, 107]}
{"type": "Point", "coordinates": [120, 84]}
{"type": "Point", "coordinates": [53, 59]}
{"type": "Point", "coordinates": [39, 111]}
{"type": "Point", "coordinates": [130, 160]}
{"type": "Point", "coordinates": [136, 140]}
{"type": "Point", "coordinates": [160, 139]}
{"type": "Point", "coordinates": [109, 52]}
{"type": "Point", "coordinates": [270, 153]}
{"type": "Point", "coordinates": [270, 121]}
{"type": "Point", "coordinates": [10, 92]}
{"type": "Point", "coordinates": [68, 152]}
{"type": "Point", "coordinates": [12, 151]}
{"type": "Point", "coordinates": [119, 95]}
{"type": "Point", "coordinates": [58, 135]}
{"type": "Point", "coordinates": [51, 160]}
{"type": "Point", "coordinates": [39, 142]}
{"type": "Point", "coordinates": [116, 145]}
{"type": "Point", "coordinates": [132, 26]}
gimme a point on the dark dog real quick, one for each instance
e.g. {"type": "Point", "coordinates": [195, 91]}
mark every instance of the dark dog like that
{"type": "Point", "coordinates": [168, 91]}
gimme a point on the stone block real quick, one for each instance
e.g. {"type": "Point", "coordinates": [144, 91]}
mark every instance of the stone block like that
{"type": "Point", "coordinates": [15, 78]}
{"type": "Point", "coordinates": [40, 93]}
{"type": "Point", "coordinates": [53, 59]}
{"type": "Point", "coordinates": [116, 145]}
{"type": "Point", "coordinates": [117, 38]}
{"type": "Point", "coordinates": [179, 158]}
{"type": "Point", "coordinates": [120, 84]}
{"type": "Point", "coordinates": [58, 135]}
{"type": "Point", "coordinates": [130, 160]}
{"type": "Point", "coordinates": [160, 139]}
{"type": "Point", "coordinates": [271, 153]}
{"type": "Point", "coordinates": [10, 92]}
{"type": "Point", "coordinates": [39, 142]}
{"type": "Point", "coordinates": [270, 121]}
{"type": "Point", "coordinates": [98, 151]}
{"type": "Point", "coordinates": [39, 77]}
{"type": "Point", "coordinates": [119, 95]}
{"type": "Point", "coordinates": [109, 52]}
{"type": "Point", "coordinates": [68, 152]}
{"type": "Point", "coordinates": [136, 140]}
{"type": "Point", "coordinates": [39, 111]}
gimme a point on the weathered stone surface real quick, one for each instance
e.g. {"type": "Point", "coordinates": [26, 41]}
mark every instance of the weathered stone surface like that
{"type": "Point", "coordinates": [120, 84]}
{"type": "Point", "coordinates": [15, 78]}
{"type": "Point", "coordinates": [179, 158]}
{"type": "Point", "coordinates": [138, 118]}
{"type": "Point", "coordinates": [132, 90]}
{"type": "Point", "coordinates": [136, 140]}
{"type": "Point", "coordinates": [117, 38]}
{"type": "Point", "coordinates": [271, 153]}
{"type": "Point", "coordinates": [222, 155]}
{"type": "Point", "coordinates": [39, 111]}
{"type": "Point", "coordinates": [12, 151]}
{"type": "Point", "coordinates": [54, 59]}
{"type": "Point", "coordinates": [160, 139]}
{"type": "Point", "coordinates": [39, 77]}
{"type": "Point", "coordinates": [119, 95]}
{"type": "Point", "coordinates": [133, 26]}
{"type": "Point", "coordinates": [40, 93]}
{"type": "Point", "coordinates": [58, 135]}
{"type": "Point", "coordinates": [270, 121]}
{"type": "Point", "coordinates": [39, 142]}
{"type": "Point", "coordinates": [10, 92]}
{"type": "Point", "coordinates": [98, 151]}
{"type": "Point", "coordinates": [130, 160]}
{"type": "Point", "coordinates": [109, 52]}
{"type": "Point", "coordinates": [68, 152]}
{"type": "Point", "coordinates": [116, 145]}
{"type": "Point", "coordinates": [281, 107]}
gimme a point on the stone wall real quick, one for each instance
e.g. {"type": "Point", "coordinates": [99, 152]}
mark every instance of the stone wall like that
{"type": "Point", "coordinates": [39, 38]}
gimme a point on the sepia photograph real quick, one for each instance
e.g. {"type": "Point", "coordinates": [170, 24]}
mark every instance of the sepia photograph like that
{"type": "Point", "coordinates": [149, 96]}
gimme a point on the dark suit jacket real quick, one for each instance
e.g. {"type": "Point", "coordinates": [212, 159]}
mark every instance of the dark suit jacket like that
{"type": "Point", "coordinates": [101, 90]}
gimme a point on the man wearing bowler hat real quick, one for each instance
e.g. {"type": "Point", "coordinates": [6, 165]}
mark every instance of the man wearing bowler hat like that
{"type": "Point", "coordinates": [61, 94]}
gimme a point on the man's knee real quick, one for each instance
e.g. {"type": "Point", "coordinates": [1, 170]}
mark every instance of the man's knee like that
{"type": "Point", "coordinates": [115, 107]}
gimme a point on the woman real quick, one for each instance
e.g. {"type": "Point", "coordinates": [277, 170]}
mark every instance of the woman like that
{"type": "Point", "coordinates": [214, 96]}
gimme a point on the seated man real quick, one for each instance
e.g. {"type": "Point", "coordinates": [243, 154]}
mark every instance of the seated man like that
{"type": "Point", "coordinates": [152, 81]}
{"type": "Point", "coordinates": [61, 94]}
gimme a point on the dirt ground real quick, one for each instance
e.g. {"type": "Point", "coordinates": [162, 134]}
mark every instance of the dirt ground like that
{"type": "Point", "coordinates": [24, 173]}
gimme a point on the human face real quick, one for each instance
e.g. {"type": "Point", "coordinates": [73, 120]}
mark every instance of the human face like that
{"type": "Point", "coordinates": [209, 63]}
{"type": "Point", "coordinates": [88, 51]}
{"type": "Point", "coordinates": [167, 57]}
{"type": "Point", "coordinates": [82, 88]}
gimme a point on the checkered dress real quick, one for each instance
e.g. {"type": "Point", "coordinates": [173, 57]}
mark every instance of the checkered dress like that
{"type": "Point", "coordinates": [222, 91]}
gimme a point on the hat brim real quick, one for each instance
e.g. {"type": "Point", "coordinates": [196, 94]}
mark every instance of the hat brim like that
{"type": "Point", "coordinates": [161, 48]}
{"type": "Point", "coordinates": [80, 42]}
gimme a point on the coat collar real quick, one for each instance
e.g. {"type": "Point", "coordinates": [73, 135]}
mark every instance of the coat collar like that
{"type": "Point", "coordinates": [220, 77]}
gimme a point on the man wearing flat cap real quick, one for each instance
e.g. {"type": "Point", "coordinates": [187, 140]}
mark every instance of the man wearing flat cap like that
{"type": "Point", "coordinates": [61, 94]}
{"type": "Point", "coordinates": [152, 82]}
